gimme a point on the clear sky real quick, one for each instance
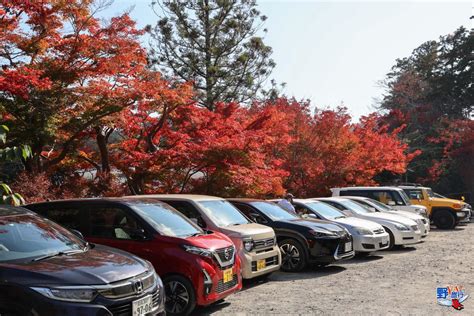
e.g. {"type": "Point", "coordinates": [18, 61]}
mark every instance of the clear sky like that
{"type": "Point", "coordinates": [335, 52]}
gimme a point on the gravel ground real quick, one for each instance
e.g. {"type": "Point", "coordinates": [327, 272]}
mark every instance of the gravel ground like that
{"type": "Point", "coordinates": [398, 282]}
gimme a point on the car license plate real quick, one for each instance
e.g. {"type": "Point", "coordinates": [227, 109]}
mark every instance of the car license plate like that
{"type": "Point", "coordinates": [261, 264]}
{"type": "Point", "coordinates": [142, 306]}
{"type": "Point", "coordinates": [348, 246]}
{"type": "Point", "coordinates": [228, 275]}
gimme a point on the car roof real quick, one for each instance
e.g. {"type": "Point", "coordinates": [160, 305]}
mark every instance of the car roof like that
{"type": "Point", "coordinates": [304, 200]}
{"type": "Point", "coordinates": [367, 188]}
{"type": "Point", "coordinates": [123, 200]}
{"type": "Point", "coordinates": [333, 198]}
{"type": "Point", "coordinates": [189, 197]}
{"type": "Point", "coordinates": [245, 200]}
{"type": "Point", "coordinates": [412, 187]}
{"type": "Point", "coordinates": [7, 210]}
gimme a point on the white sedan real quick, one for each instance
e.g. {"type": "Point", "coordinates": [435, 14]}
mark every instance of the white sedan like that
{"type": "Point", "coordinates": [423, 222]}
{"type": "Point", "coordinates": [368, 236]}
{"type": "Point", "coordinates": [402, 230]}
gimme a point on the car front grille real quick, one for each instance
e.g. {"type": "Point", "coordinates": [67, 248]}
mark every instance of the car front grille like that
{"type": "Point", "coordinates": [225, 256]}
{"type": "Point", "coordinates": [126, 308]}
{"type": "Point", "coordinates": [271, 261]}
{"type": "Point", "coordinates": [341, 250]}
{"type": "Point", "coordinates": [379, 231]}
{"type": "Point", "coordinates": [130, 287]}
{"type": "Point", "coordinates": [222, 287]}
{"type": "Point", "coordinates": [264, 243]}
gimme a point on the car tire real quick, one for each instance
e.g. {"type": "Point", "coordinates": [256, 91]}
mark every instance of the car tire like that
{"type": "Point", "coordinates": [444, 219]}
{"type": "Point", "coordinates": [180, 298]}
{"type": "Point", "coordinates": [391, 242]}
{"type": "Point", "coordinates": [293, 258]}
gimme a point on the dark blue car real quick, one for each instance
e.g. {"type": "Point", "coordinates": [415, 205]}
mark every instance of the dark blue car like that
{"type": "Point", "coordinates": [46, 269]}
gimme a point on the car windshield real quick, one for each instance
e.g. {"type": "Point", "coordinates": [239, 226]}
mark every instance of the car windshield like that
{"type": "Point", "coordinates": [431, 194]}
{"type": "Point", "coordinates": [27, 236]}
{"type": "Point", "coordinates": [166, 220]}
{"type": "Point", "coordinates": [359, 209]}
{"type": "Point", "coordinates": [325, 210]}
{"type": "Point", "coordinates": [405, 197]}
{"type": "Point", "coordinates": [222, 213]}
{"type": "Point", "coordinates": [273, 211]}
{"type": "Point", "coordinates": [381, 206]}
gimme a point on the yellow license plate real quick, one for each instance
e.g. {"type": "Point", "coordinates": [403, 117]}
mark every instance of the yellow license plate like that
{"type": "Point", "coordinates": [228, 275]}
{"type": "Point", "coordinates": [261, 264]}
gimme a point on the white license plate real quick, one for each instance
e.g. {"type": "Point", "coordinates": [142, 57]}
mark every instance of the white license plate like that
{"type": "Point", "coordinates": [142, 306]}
{"type": "Point", "coordinates": [348, 246]}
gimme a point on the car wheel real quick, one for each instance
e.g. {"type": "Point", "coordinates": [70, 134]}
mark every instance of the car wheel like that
{"type": "Point", "coordinates": [180, 297]}
{"type": "Point", "coordinates": [293, 258]}
{"type": "Point", "coordinates": [443, 219]}
{"type": "Point", "coordinates": [391, 242]}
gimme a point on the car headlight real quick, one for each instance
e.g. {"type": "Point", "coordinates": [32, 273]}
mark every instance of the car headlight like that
{"type": "Point", "coordinates": [401, 227]}
{"type": "Point", "coordinates": [78, 294]}
{"type": "Point", "coordinates": [326, 234]}
{"type": "Point", "coordinates": [248, 244]}
{"type": "Point", "coordinates": [363, 231]}
{"type": "Point", "coordinates": [198, 251]}
{"type": "Point", "coordinates": [421, 212]}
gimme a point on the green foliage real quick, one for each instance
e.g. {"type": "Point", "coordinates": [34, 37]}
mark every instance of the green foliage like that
{"type": "Point", "coordinates": [214, 44]}
{"type": "Point", "coordinates": [8, 154]}
{"type": "Point", "coordinates": [426, 93]}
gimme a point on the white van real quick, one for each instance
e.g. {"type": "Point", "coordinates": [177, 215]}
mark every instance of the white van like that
{"type": "Point", "coordinates": [395, 197]}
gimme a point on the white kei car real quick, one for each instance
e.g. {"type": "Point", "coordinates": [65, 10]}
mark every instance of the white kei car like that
{"type": "Point", "coordinates": [368, 236]}
{"type": "Point", "coordinates": [402, 231]}
{"type": "Point", "coordinates": [423, 222]}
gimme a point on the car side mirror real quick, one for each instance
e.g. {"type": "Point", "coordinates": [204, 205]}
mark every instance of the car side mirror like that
{"type": "Point", "coordinates": [198, 221]}
{"type": "Point", "coordinates": [311, 215]}
{"type": "Point", "coordinates": [77, 234]}
{"type": "Point", "coordinates": [258, 218]}
{"type": "Point", "coordinates": [138, 234]}
{"type": "Point", "coordinates": [391, 203]}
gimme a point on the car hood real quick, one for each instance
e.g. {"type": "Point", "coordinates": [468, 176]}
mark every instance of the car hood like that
{"type": "Point", "coordinates": [357, 222]}
{"type": "Point", "coordinates": [315, 224]}
{"type": "Point", "coordinates": [390, 217]}
{"type": "Point", "coordinates": [214, 240]}
{"type": "Point", "coordinates": [406, 214]}
{"type": "Point", "coordinates": [98, 266]}
{"type": "Point", "coordinates": [253, 230]}
{"type": "Point", "coordinates": [447, 201]}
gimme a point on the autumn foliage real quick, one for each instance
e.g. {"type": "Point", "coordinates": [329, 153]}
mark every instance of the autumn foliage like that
{"type": "Point", "coordinates": [79, 91]}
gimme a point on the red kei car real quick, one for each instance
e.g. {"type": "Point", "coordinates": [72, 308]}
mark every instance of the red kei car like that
{"type": "Point", "coordinates": [197, 267]}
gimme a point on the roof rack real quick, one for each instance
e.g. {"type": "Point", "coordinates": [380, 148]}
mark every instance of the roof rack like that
{"type": "Point", "coordinates": [411, 184]}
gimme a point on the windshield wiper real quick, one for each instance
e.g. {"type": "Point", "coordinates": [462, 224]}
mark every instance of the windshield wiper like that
{"type": "Point", "coordinates": [57, 254]}
{"type": "Point", "coordinates": [337, 217]}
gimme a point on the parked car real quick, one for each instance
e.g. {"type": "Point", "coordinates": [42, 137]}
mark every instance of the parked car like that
{"type": "Point", "coordinates": [368, 236]}
{"type": "Point", "coordinates": [392, 196]}
{"type": "Point", "coordinates": [198, 267]}
{"type": "Point", "coordinates": [423, 222]}
{"type": "Point", "coordinates": [301, 241]}
{"type": "Point", "coordinates": [256, 244]}
{"type": "Point", "coordinates": [46, 269]}
{"type": "Point", "coordinates": [444, 212]}
{"type": "Point", "coordinates": [402, 231]}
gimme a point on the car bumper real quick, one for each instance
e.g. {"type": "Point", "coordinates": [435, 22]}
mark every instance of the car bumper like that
{"type": "Point", "coordinates": [101, 306]}
{"type": "Point", "coordinates": [369, 243]}
{"type": "Point", "coordinates": [322, 250]}
{"type": "Point", "coordinates": [407, 237]}
{"type": "Point", "coordinates": [464, 216]}
{"type": "Point", "coordinates": [250, 267]}
{"type": "Point", "coordinates": [211, 286]}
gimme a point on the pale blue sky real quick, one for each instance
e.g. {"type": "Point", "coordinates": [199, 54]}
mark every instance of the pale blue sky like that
{"type": "Point", "coordinates": [336, 51]}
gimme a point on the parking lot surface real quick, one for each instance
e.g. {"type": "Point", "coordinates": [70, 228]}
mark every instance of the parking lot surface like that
{"type": "Point", "coordinates": [398, 282]}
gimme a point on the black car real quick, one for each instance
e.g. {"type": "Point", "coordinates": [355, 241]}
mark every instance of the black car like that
{"type": "Point", "coordinates": [46, 269]}
{"type": "Point", "coordinates": [301, 241]}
